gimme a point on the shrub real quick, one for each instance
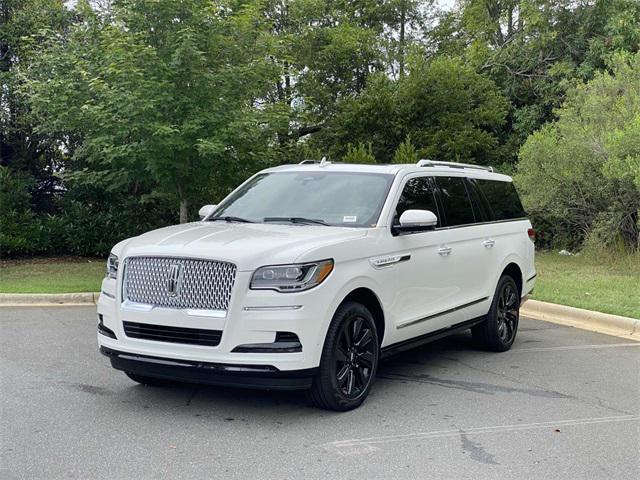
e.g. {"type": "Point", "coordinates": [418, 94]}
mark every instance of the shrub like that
{"type": "Point", "coordinates": [21, 231]}
{"type": "Point", "coordinates": [88, 221]}
{"type": "Point", "coordinates": [582, 170]}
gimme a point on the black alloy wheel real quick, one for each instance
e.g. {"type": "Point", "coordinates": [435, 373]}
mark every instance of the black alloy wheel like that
{"type": "Point", "coordinates": [498, 331]}
{"type": "Point", "coordinates": [349, 360]}
{"type": "Point", "coordinates": [507, 313]}
{"type": "Point", "coordinates": [354, 356]}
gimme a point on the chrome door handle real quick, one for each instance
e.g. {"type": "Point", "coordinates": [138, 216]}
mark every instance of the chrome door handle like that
{"type": "Point", "coordinates": [489, 243]}
{"type": "Point", "coordinates": [444, 250]}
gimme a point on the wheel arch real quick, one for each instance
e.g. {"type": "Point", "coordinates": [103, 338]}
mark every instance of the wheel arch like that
{"type": "Point", "coordinates": [369, 299]}
{"type": "Point", "coordinates": [514, 271]}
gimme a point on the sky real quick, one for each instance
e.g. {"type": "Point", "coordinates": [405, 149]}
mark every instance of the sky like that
{"type": "Point", "coordinates": [445, 4]}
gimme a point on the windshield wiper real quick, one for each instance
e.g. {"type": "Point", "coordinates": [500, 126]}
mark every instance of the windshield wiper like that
{"type": "Point", "coordinates": [231, 219]}
{"type": "Point", "coordinates": [300, 220]}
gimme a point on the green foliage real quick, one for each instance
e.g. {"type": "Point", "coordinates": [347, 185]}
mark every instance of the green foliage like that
{"type": "Point", "coordinates": [91, 229]}
{"type": "Point", "coordinates": [21, 230]}
{"type": "Point", "coordinates": [114, 119]}
{"type": "Point", "coordinates": [536, 49]}
{"type": "Point", "coordinates": [450, 112]}
{"type": "Point", "coordinates": [580, 170]}
{"type": "Point", "coordinates": [153, 98]}
{"type": "Point", "coordinates": [88, 221]}
{"type": "Point", "coordinates": [361, 153]}
{"type": "Point", "coordinates": [406, 152]}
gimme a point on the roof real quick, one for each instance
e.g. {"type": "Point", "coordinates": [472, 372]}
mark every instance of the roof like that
{"type": "Point", "coordinates": [393, 169]}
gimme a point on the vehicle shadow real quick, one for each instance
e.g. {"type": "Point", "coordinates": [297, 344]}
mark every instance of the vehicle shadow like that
{"type": "Point", "coordinates": [237, 404]}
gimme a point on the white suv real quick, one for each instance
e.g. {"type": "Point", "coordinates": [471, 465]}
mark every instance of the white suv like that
{"type": "Point", "coordinates": [306, 275]}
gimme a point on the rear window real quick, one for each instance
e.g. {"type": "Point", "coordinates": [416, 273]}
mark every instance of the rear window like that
{"type": "Point", "coordinates": [455, 201]}
{"type": "Point", "coordinates": [503, 199]}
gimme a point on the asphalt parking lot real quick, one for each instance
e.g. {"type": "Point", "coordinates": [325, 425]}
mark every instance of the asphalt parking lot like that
{"type": "Point", "coordinates": [563, 403]}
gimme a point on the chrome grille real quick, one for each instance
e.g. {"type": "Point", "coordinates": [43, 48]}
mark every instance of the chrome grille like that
{"type": "Point", "coordinates": [198, 284]}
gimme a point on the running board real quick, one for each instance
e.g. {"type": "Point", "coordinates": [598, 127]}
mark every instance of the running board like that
{"type": "Point", "coordinates": [429, 337]}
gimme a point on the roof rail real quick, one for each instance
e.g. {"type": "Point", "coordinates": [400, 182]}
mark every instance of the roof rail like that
{"type": "Point", "coordinates": [323, 163]}
{"type": "Point", "coordinates": [432, 163]}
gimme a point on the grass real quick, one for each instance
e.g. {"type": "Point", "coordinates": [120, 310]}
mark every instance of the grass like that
{"type": "Point", "coordinates": [595, 282]}
{"type": "Point", "coordinates": [52, 275]}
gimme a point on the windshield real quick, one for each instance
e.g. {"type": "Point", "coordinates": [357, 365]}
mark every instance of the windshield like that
{"type": "Point", "coordinates": [335, 198]}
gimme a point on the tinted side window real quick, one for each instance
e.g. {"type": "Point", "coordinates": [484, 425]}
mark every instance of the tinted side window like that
{"type": "Point", "coordinates": [481, 207]}
{"type": "Point", "coordinates": [455, 200]}
{"type": "Point", "coordinates": [503, 198]}
{"type": "Point", "coordinates": [418, 194]}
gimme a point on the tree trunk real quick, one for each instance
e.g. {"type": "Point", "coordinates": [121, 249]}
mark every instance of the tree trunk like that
{"type": "Point", "coordinates": [184, 212]}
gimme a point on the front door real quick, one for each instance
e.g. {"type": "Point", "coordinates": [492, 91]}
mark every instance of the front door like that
{"type": "Point", "coordinates": [424, 273]}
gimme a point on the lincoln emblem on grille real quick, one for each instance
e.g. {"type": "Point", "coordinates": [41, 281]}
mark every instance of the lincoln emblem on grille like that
{"type": "Point", "coordinates": [173, 283]}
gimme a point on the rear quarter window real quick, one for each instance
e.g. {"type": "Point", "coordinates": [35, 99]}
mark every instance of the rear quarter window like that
{"type": "Point", "coordinates": [503, 199]}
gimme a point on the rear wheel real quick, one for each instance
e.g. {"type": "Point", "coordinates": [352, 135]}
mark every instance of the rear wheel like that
{"type": "Point", "coordinates": [498, 332]}
{"type": "Point", "coordinates": [349, 360]}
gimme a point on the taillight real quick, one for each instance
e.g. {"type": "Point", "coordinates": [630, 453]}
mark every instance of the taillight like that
{"type": "Point", "coordinates": [532, 234]}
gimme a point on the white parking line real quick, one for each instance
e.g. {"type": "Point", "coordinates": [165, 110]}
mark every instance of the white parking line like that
{"type": "Point", "coordinates": [364, 445]}
{"type": "Point", "coordinates": [576, 347]}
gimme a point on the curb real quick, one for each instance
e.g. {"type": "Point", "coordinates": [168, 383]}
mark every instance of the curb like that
{"type": "Point", "coordinates": [48, 299]}
{"type": "Point", "coordinates": [624, 327]}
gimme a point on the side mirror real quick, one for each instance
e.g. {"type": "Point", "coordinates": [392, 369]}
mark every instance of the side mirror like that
{"type": "Point", "coordinates": [206, 211]}
{"type": "Point", "coordinates": [416, 221]}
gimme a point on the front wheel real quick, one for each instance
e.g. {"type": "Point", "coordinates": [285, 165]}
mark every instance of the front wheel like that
{"type": "Point", "coordinates": [498, 332]}
{"type": "Point", "coordinates": [349, 360]}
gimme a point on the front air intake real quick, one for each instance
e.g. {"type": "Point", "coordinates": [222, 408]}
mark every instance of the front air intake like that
{"type": "Point", "coordinates": [162, 333]}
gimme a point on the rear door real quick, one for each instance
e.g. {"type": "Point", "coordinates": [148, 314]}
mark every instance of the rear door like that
{"type": "Point", "coordinates": [470, 242]}
{"type": "Point", "coordinates": [509, 228]}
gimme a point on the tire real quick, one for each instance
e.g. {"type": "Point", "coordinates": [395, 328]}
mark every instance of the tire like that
{"type": "Point", "coordinates": [349, 360]}
{"type": "Point", "coordinates": [149, 381]}
{"type": "Point", "coordinates": [498, 332]}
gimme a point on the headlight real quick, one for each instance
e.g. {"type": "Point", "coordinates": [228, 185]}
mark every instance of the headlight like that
{"type": "Point", "coordinates": [112, 266]}
{"type": "Point", "coordinates": [291, 278]}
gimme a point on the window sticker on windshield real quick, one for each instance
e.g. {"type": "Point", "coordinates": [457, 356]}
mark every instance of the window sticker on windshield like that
{"type": "Point", "coordinates": [349, 219]}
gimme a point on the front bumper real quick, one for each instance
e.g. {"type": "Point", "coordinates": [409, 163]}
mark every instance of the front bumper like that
{"type": "Point", "coordinates": [249, 333]}
{"type": "Point", "coordinates": [265, 377]}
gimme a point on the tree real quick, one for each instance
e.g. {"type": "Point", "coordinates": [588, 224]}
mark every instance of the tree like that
{"type": "Point", "coordinates": [536, 49]}
{"type": "Point", "coordinates": [406, 152]}
{"type": "Point", "coordinates": [580, 170]}
{"type": "Point", "coordinates": [164, 94]}
{"type": "Point", "coordinates": [451, 113]}
{"type": "Point", "coordinates": [361, 153]}
{"type": "Point", "coordinates": [23, 25]}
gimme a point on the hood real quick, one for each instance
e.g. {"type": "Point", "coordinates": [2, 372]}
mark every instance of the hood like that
{"type": "Point", "coordinates": [248, 245]}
